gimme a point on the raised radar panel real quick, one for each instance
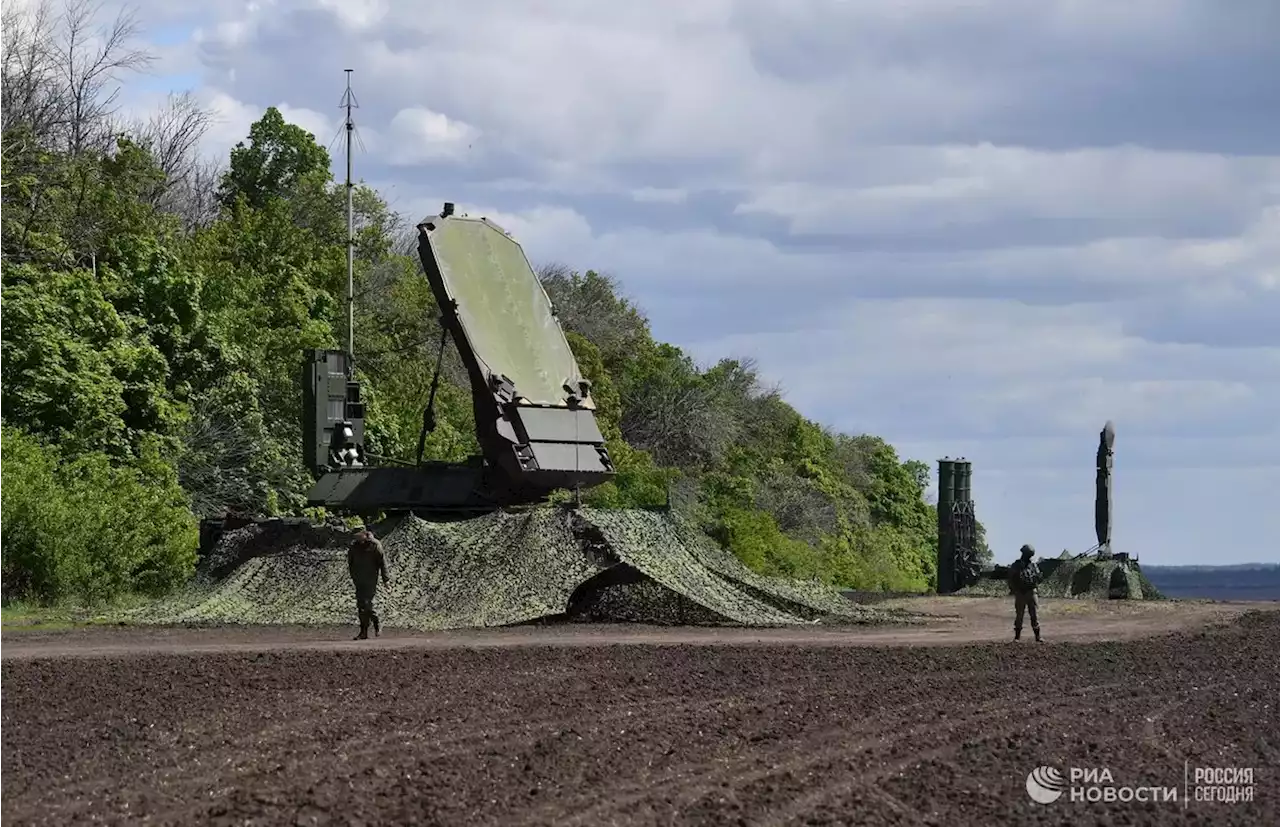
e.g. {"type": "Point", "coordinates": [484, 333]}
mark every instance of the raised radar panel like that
{"type": "Point", "coordinates": [535, 417]}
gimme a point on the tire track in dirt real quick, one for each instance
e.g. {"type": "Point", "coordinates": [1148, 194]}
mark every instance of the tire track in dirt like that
{"type": "Point", "coordinates": [684, 783]}
{"type": "Point", "coordinates": [1152, 728]}
{"type": "Point", "coordinates": [219, 773]}
{"type": "Point", "coordinates": [358, 747]}
{"type": "Point", "coordinates": [870, 782]}
{"type": "Point", "coordinates": [712, 771]}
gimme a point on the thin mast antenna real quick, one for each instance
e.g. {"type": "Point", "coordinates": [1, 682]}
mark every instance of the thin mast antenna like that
{"type": "Point", "coordinates": [349, 101]}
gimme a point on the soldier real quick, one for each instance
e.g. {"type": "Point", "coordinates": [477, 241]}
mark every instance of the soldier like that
{"type": "Point", "coordinates": [1024, 577]}
{"type": "Point", "coordinates": [366, 563]}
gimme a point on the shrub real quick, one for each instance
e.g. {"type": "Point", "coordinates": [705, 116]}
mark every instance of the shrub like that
{"type": "Point", "coordinates": [89, 529]}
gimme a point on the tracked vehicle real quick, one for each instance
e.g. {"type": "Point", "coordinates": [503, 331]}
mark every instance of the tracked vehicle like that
{"type": "Point", "coordinates": [534, 414]}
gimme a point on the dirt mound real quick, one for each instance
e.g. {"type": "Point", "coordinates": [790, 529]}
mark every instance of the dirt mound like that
{"type": "Point", "coordinates": [500, 569]}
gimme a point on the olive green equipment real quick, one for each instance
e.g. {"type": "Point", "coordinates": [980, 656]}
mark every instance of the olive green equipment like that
{"type": "Point", "coordinates": [958, 552]}
{"type": "Point", "coordinates": [534, 413]}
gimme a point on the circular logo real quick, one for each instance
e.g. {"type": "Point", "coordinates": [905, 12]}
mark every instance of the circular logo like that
{"type": "Point", "coordinates": [1045, 785]}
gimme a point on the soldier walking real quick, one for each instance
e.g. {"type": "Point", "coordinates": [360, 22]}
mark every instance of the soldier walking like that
{"type": "Point", "coordinates": [1024, 577]}
{"type": "Point", "coordinates": [366, 563]}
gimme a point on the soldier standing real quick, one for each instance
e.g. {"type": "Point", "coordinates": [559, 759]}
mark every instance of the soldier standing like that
{"type": "Point", "coordinates": [365, 561]}
{"type": "Point", "coordinates": [1024, 577]}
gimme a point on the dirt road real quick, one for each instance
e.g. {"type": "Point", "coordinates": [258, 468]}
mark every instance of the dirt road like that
{"type": "Point", "coordinates": [840, 729]}
{"type": "Point", "coordinates": [944, 621]}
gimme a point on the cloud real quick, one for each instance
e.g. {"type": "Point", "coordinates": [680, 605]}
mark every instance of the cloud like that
{"type": "Point", "coordinates": [1121, 191]}
{"type": "Point", "coordinates": [319, 125]}
{"type": "Point", "coordinates": [231, 122]}
{"type": "Point", "coordinates": [979, 228]}
{"type": "Point", "coordinates": [357, 15]}
{"type": "Point", "coordinates": [420, 136]}
{"type": "Point", "coordinates": [1009, 369]}
{"type": "Point", "coordinates": [659, 195]}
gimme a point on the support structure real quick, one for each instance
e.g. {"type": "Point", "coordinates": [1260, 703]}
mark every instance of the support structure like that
{"type": "Point", "coordinates": [349, 102]}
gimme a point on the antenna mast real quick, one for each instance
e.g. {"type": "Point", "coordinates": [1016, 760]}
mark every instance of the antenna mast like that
{"type": "Point", "coordinates": [349, 101]}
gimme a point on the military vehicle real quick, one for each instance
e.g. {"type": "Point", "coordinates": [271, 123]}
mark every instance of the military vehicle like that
{"type": "Point", "coordinates": [534, 414]}
{"type": "Point", "coordinates": [959, 562]}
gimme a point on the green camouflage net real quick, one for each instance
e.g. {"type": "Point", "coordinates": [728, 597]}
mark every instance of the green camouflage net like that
{"type": "Point", "coordinates": [260, 573]}
{"type": "Point", "coordinates": [499, 569]}
{"type": "Point", "coordinates": [1090, 577]}
{"type": "Point", "coordinates": [655, 546]}
{"type": "Point", "coordinates": [643, 601]}
{"type": "Point", "coordinates": [496, 570]}
{"type": "Point", "coordinates": [658, 541]}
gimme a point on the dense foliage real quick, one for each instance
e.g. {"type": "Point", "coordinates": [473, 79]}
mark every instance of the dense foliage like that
{"type": "Point", "coordinates": [153, 330]}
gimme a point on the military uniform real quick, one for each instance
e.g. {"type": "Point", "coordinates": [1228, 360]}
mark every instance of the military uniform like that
{"type": "Point", "coordinates": [1024, 577]}
{"type": "Point", "coordinates": [366, 563]}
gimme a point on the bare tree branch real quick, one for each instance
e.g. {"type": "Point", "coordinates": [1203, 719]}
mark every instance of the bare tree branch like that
{"type": "Point", "coordinates": [90, 71]}
{"type": "Point", "coordinates": [801, 509]}
{"type": "Point", "coordinates": [172, 135]}
{"type": "Point", "coordinates": [29, 95]}
{"type": "Point", "coordinates": [60, 74]}
{"type": "Point", "coordinates": [193, 197]}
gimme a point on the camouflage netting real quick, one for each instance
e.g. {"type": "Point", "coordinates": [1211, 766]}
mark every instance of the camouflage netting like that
{"type": "Point", "coordinates": [657, 542]}
{"type": "Point", "coordinates": [500, 569]}
{"type": "Point", "coordinates": [1090, 576]}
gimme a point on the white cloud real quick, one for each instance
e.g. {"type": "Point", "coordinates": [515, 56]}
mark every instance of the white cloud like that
{"type": "Point", "coordinates": [226, 34]}
{"type": "Point", "coordinates": [231, 122]}
{"type": "Point", "coordinates": [420, 135]}
{"type": "Point", "coordinates": [1007, 367]}
{"type": "Point", "coordinates": [938, 187]}
{"type": "Point", "coordinates": [357, 14]}
{"type": "Point", "coordinates": [319, 125]}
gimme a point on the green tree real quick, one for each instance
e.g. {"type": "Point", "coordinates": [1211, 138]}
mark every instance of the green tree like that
{"type": "Point", "coordinates": [281, 161]}
{"type": "Point", "coordinates": [83, 527]}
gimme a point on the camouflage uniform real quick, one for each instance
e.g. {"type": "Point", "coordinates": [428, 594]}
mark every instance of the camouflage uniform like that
{"type": "Point", "coordinates": [1024, 577]}
{"type": "Point", "coordinates": [366, 562]}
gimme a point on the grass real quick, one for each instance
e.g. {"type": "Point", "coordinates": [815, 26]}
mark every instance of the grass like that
{"type": "Point", "coordinates": [18, 616]}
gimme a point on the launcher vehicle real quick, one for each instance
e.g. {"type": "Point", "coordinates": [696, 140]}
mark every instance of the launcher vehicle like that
{"type": "Point", "coordinates": [535, 418]}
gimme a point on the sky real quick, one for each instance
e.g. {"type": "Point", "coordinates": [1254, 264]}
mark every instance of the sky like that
{"type": "Point", "coordinates": [976, 229]}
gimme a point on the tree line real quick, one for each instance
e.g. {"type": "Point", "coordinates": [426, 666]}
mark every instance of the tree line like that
{"type": "Point", "coordinates": [156, 305]}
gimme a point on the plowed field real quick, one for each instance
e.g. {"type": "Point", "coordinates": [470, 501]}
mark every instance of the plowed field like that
{"type": "Point", "coordinates": [597, 726]}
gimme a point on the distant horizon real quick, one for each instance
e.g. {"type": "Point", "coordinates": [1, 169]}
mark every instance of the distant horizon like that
{"type": "Point", "coordinates": [1207, 566]}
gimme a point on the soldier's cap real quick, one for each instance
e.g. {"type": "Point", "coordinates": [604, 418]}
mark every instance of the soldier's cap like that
{"type": "Point", "coordinates": [1027, 548]}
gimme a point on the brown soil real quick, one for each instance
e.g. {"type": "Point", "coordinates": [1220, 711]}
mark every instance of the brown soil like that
{"type": "Point", "coordinates": [821, 726]}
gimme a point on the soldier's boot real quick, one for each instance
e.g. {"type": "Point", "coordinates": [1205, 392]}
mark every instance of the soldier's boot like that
{"type": "Point", "coordinates": [364, 627]}
{"type": "Point", "coordinates": [1017, 633]}
{"type": "Point", "coordinates": [1037, 631]}
{"type": "Point", "coordinates": [377, 627]}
